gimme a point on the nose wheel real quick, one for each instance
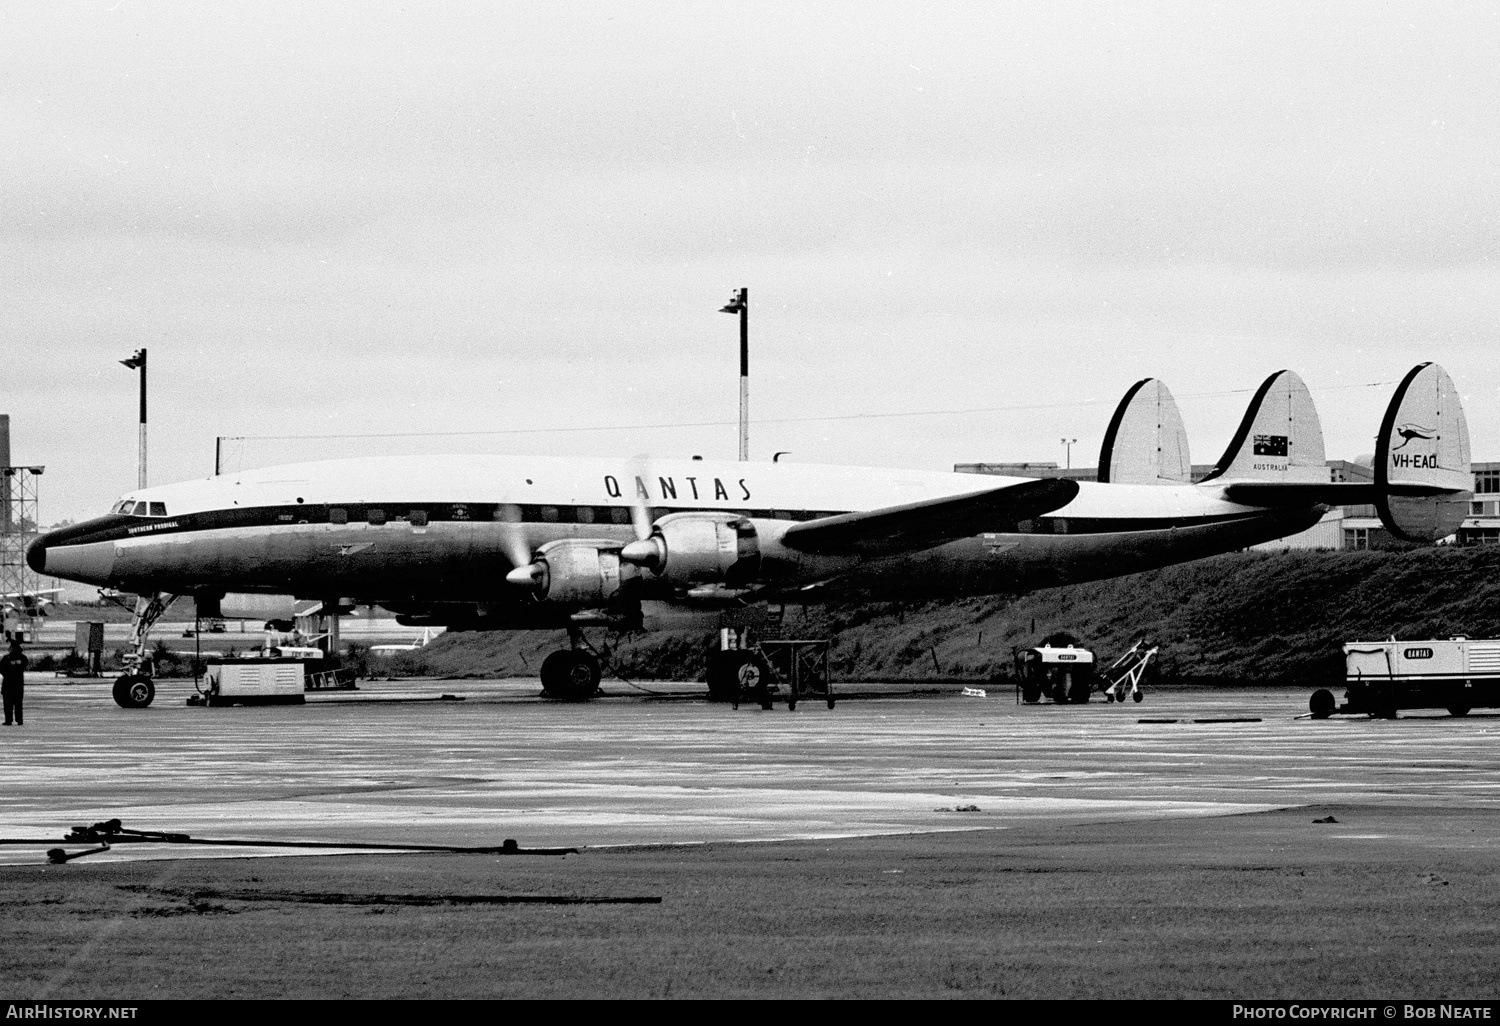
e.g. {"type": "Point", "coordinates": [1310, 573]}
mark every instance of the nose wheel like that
{"type": "Point", "coordinates": [134, 691]}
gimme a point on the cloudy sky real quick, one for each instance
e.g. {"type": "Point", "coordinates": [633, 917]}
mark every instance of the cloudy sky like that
{"type": "Point", "coordinates": [966, 229]}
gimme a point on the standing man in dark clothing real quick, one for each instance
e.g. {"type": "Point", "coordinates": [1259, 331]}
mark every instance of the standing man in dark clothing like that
{"type": "Point", "coordinates": [13, 681]}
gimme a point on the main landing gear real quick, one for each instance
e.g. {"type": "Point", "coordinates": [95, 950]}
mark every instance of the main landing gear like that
{"type": "Point", "coordinates": [571, 675]}
{"type": "Point", "coordinates": [135, 689]}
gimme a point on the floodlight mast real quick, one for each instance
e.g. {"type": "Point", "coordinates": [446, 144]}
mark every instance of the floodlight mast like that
{"type": "Point", "coordinates": [138, 362]}
{"type": "Point", "coordinates": [740, 304]}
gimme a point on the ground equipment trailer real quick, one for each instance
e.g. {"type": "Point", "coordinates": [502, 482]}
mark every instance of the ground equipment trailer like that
{"type": "Point", "coordinates": [1062, 672]}
{"type": "Point", "coordinates": [254, 681]}
{"type": "Point", "coordinates": [1457, 674]}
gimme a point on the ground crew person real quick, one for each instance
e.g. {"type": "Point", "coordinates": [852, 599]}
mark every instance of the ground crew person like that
{"type": "Point", "coordinates": [13, 681]}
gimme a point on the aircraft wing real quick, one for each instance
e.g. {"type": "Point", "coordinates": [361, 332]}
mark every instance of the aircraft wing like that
{"type": "Point", "coordinates": [931, 522]}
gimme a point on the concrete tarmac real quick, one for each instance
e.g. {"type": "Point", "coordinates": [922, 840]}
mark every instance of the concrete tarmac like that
{"type": "Point", "coordinates": [390, 764]}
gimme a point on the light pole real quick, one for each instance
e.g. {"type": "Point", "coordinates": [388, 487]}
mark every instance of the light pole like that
{"type": "Point", "coordinates": [740, 304]}
{"type": "Point", "coordinates": [138, 362]}
{"type": "Point", "coordinates": [1069, 443]}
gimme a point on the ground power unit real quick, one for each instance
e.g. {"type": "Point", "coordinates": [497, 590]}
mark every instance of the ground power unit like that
{"type": "Point", "coordinates": [1382, 677]}
{"type": "Point", "coordinates": [1064, 673]}
{"type": "Point", "coordinates": [255, 681]}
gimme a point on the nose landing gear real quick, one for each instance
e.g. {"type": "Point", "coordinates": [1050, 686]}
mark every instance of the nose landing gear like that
{"type": "Point", "coordinates": [135, 690]}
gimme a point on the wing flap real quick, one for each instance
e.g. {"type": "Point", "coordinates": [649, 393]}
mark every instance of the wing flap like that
{"type": "Point", "coordinates": [931, 522]}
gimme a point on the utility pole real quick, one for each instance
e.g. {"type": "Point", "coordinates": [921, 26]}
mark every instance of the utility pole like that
{"type": "Point", "coordinates": [1069, 443]}
{"type": "Point", "coordinates": [138, 362]}
{"type": "Point", "coordinates": [740, 304]}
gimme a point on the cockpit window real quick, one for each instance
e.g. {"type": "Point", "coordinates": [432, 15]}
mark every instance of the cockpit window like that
{"type": "Point", "coordinates": [140, 509]}
{"type": "Point", "coordinates": [123, 506]}
{"type": "Point", "coordinates": [158, 509]}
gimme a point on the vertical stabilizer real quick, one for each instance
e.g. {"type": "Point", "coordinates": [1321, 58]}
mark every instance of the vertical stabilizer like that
{"type": "Point", "coordinates": [1146, 442]}
{"type": "Point", "coordinates": [1279, 439]}
{"type": "Point", "coordinates": [1423, 482]}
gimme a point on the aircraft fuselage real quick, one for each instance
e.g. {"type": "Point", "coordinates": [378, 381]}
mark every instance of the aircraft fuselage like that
{"type": "Point", "coordinates": [408, 532]}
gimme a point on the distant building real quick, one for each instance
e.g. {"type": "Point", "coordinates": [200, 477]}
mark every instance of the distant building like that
{"type": "Point", "coordinates": [1345, 527]}
{"type": "Point", "coordinates": [1483, 525]}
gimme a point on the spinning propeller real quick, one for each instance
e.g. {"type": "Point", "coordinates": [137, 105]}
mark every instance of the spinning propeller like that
{"type": "Point", "coordinates": [647, 549]}
{"type": "Point", "coordinates": [527, 572]}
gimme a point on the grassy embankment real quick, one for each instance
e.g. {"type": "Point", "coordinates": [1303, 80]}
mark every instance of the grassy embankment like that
{"type": "Point", "coordinates": [1242, 618]}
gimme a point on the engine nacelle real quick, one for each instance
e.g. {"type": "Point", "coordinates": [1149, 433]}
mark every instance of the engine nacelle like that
{"type": "Point", "coordinates": [577, 572]}
{"type": "Point", "coordinates": [698, 548]}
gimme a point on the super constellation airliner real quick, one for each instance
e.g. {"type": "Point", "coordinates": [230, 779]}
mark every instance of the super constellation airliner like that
{"type": "Point", "coordinates": [512, 542]}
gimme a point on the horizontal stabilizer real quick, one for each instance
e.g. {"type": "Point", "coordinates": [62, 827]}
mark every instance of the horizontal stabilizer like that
{"type": "Point", "coordinates": [1279, 439]}
{"type": "Point", "coordinates": [1423, 481]}
{"type": "Point", "coordinates": [931, 522]}
{"type": "Point", "coordinates": [1333, 493]}
{"type": "Point", "coordinates": [1146, 442]}
{"type": "Point", "coordinates": [1300, 493]}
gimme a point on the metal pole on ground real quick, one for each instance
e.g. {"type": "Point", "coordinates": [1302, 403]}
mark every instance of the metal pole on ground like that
{"type": "Point", "coordinates": [740, 304]}
{"type": "Point", "coordinates": [138, 362]}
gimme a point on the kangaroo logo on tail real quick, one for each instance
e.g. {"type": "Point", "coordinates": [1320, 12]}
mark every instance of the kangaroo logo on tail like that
{"type": "Point", "coordinates": [1413, 431]}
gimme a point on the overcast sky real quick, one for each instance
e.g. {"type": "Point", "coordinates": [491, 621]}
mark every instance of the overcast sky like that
{"type": "Point", "coordinates": [372, 217]}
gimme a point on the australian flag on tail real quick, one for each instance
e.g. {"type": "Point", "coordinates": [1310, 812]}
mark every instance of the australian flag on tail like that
{"type": "Point", "coordinates": [1270, 445]}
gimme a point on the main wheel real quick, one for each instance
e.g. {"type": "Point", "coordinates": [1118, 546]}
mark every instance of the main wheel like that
{"type": "Point", "coordinates": [573, 677]}
{"type": "Point", "coordinates": [1321, 704]}
{"type": "Point", "coordinates": [747, 677]}
{"type": "Point", "coordinates": [134, 691]}
{"type": "Point", "coordinates": [555, 670]}
{"type": "Point", "coordinates": [722, 683]}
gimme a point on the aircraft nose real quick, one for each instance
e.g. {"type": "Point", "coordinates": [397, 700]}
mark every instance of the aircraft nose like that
{"type": "Point", "coordinates": [89, 562]}
{"type": "Point", "coordinates": [36, 555]}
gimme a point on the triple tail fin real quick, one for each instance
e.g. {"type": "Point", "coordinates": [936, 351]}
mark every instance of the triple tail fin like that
{"type": "Point", "coordinates": [1146, 442]}
{"type": "Point", "coordinates": [1423, 481]}
{"type": "Point", "coordinates": [1279, 439]}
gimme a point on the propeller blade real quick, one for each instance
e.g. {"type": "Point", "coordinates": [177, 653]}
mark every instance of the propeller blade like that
{"type": "Point", "coordinates": [640, 511]}
{"type": "Point", "coordinates": [513, 535]}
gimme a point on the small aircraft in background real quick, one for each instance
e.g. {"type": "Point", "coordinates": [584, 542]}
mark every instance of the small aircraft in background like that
{"type": "Point", "coordinates": [529, 542]}
{"type": "Point", "coordinates": [428, 633]}
{"type": "Point", "coordinates": [29, 603]}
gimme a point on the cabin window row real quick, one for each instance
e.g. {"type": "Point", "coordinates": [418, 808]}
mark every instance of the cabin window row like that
{"type": "Point", "coordinates": [541, 514]}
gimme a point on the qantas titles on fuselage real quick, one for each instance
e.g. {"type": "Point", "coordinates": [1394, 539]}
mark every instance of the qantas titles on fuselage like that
{"type": "Point", "coordinates": [668, 488]}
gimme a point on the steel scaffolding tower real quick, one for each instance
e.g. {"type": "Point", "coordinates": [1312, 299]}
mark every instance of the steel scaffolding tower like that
{"type": "Point", "coordinates": [18, 526]}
